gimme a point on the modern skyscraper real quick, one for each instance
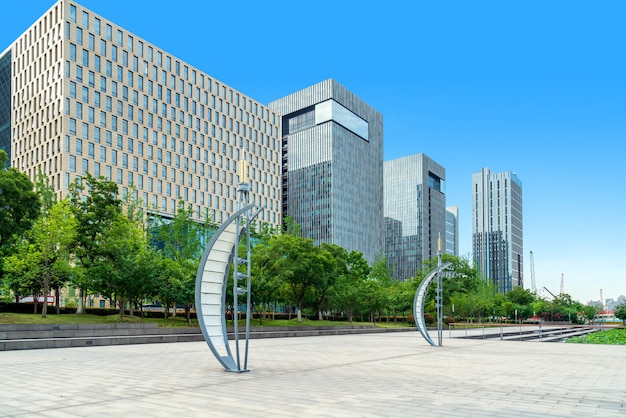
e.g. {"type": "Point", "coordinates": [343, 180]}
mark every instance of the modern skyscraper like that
{"type": "Point", "coordinates": [497, 228]}
{"type": "Point", "coordinates": [333, 166]}
{"type": "Point", "coordinates": [452, 230]}
{"type": "Point", "coordinates": [415, 212]}
{"type": "Point", "coordinates": [80, 94]}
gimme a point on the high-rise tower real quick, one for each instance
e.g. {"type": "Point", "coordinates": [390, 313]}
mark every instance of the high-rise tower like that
{"type": "Point", "coordinates": [497, 228]}
{"type": "Point", "coordinates": [333, 166]}
{"type": "Point", "coordinates": [415, 212]}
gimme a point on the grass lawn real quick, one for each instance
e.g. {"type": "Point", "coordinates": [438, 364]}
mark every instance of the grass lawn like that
{"type": "Point", "coordinates": [178, 321]}
{"type": "Point", "coordinates": [18, 318]}
{"type": "Point", "coordinates": [616, 336]}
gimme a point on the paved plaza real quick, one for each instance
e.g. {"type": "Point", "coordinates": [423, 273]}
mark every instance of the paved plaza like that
{"type": "Point", "coordinates": [371, 375]}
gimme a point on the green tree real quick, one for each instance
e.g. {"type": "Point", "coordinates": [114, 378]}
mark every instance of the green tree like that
{"type": "Point", "coordinates": [520, 296]}
{"type": "Point", "coordinates": [128, 272]}
{"type": "Point", "coordinates": [347, 293]}
{"type": "Point", "coordinates": [294, 261]}
{"type": "Point", "coordinates": [181, 240]}
{"type": "Point", "coordinates": [331, 262]}
{"type": "Point", "coordinates": [95, 205]}
{"type": "Point", "coordinates": [19, 203]}
{"type": "Point", "coordinates": [380, 284]}
{"type": "Point", "coordinates": [43, 259]}
{"type": "Point", "coordinates": [620, 312]}
{"type": "Point", "coordinates": [265, 285]}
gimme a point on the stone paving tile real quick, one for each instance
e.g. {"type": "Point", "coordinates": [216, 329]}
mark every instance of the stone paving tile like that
{"type": "Point", "coordinates": [395, 374]}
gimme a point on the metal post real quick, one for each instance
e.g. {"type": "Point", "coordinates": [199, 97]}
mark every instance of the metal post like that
{"type": "Point", "coordinates": [235, 298]}
{"type": "Point", "coordinates": [249, 284]}
{"type": "Point", "coordinates": [439, 293]}
{"type": "Point", "coordinates": [501, 334]}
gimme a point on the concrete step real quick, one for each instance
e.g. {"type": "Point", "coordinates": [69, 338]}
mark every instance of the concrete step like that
{"type": "Point", "coordinates": [13, 337]}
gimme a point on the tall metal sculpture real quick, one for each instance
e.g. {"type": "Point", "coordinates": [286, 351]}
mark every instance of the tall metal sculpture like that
{"type": "Point", "coordinates": [212, 281]}
{"type": "Point", "coordinates": [420, 298]}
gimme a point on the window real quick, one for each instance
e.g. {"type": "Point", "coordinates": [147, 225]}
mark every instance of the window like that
{"type": "Point", "coordinates": [96, 25]}
{"type": "Point", "coordinates": [79, 36]}
{"type": "Point", "coordinates": [72, 52]}
{"type": "Point", "coordinates": [85, 58]}
{"type": "Point", "coordinates": [108, 31]}
{"type": "Point", "coordinates": [86, 20]}
{"type": "Point", "coordinates": [79, 147]}
{"type": "Point", "coordinates": [72, 126]}
{"type": "Point", "coordinates": [72, 13]}
{"type": "Point", "coordinates": [85, 130]}
{"type": "Point", "coordinates": [92, 42]}
{"type": "Point", "coordinates": [72, 163]}
{"type": "Point", "coordinates": [72, 90]}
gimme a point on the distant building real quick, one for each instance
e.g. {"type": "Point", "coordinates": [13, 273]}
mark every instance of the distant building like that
{"type": "Point", "coordinates": [452, 230]}
{"type": "Point", "coordinates": [415, 212]}
{"type": "Point", "coordinates": [332, 167]}
{"type": "Point", "coordinates": [497, 228]}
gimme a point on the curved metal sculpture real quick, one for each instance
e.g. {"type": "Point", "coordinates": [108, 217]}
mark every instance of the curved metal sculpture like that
{"type": "Point", "coordinates": [211, 283]}
{"type": "Point", "coordinates": [420, 297]}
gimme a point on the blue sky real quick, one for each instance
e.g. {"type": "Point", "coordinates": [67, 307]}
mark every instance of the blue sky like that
{"type": "Point", "coordinates": [534, 87]}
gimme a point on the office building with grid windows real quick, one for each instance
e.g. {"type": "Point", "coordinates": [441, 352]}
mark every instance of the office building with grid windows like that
{"type": "Point", "coordinates": [80, 94]}
{"type": "Point", "coordinates": [497, 228]}
{"type": "Point", "coordinates": [415, 212]}
{"type": "Point", "coordinates": [332, 167]}
{"type": "Point", "coordinates": [452, 230]}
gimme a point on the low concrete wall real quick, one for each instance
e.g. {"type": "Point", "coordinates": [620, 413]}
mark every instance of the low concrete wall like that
{"type": "Point", "coordinates": [25, 337]}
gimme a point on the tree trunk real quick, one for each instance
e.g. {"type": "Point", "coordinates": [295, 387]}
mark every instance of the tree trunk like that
{"type": "Point", "coordinates": [121, 304]}
{"type": "Point", "coordinates": [44, 307]}
{"type": "Point", "coordinates": [57, 300]}
{"type": "Point", "coordinates": [299, 312]}
{"type": "Point", "coordinates": [81, 301]}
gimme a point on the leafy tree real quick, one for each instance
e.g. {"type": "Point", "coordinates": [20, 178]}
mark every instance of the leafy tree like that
{"type": "Point", "coordinates": [265, 285]}
{"type": "Point", "coordinates": [181, 240]}
{"type": "Point", "coordinates": [331, 261]}
{"type": "Point", "coordinates": [347, 293]}
{"type": "Point", "coordinates": [96, 207]}
{"type": "Point", "coordinates": [19, 203]}
{"type": "Point", "coordinates": [620, 312]}
{"type": "Point", "coordinates": [43, 259]}
{"type": "Point", "coordinates": [127, 273]}
{"type": "Point", "coordinates": [379, 285]}
{"type": "Point", "coordinates": [294, 261]}
{"type": "Point", "coordinates": [520, 296]}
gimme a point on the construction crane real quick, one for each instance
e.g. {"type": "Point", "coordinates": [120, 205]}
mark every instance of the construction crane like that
{"type": "Point", "coordinates": [532, 274]}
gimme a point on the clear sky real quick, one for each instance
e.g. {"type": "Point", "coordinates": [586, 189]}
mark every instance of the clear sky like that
{"type": "Point", "coordinates": [534, 87]}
